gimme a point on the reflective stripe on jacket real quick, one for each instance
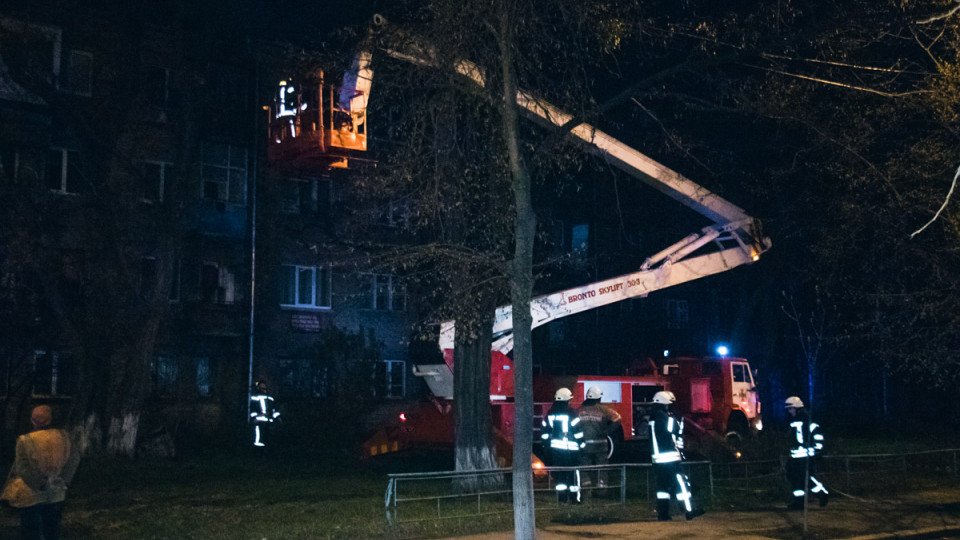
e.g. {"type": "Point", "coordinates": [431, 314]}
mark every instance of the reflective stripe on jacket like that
{"type": "Point", "coordinates": [806, 446]}
{"type": "Point", "coordinates": [666, 438]}
{"type": "Point", "coordinates": [562, 428]}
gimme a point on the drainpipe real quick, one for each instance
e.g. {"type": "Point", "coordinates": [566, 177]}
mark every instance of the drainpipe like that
{"type": "Point", "coordinates": [253, 226]}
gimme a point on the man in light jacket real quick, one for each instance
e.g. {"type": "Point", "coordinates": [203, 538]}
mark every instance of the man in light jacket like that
{"type": "Point", "coordinates": [43, 467]}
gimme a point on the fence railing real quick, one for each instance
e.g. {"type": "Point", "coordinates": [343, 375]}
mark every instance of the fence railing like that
{"type": "Point", "coordinates": [447, 495]}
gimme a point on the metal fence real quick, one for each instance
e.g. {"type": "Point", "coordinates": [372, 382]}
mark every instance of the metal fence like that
{"type": "Point", "coordinates": [451, 495]}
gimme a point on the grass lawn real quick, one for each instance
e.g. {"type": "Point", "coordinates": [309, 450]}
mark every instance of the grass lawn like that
{"type": "Point", "coordinates": [235, 497]}
{"type": "Point", "coordinates": [298, 496]}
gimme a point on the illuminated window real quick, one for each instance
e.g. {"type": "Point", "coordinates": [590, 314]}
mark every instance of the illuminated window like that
{"type": "Point", "coordinates": [65, 171]}
{"type": "Point", "coordinates": [305, 286]}
{"type": "Point", "coordinates": [224, 173]}
{"type": "Point", "coordinates": [155, 180]}
{"type": "Point", "coordinates": [77, 75]}
{"type": "Point", "coordinates": [384, 292]}
{"type": "Point", "coordinates": [54, 374]}
{"type": "Point", "coordinates": [389, 378]}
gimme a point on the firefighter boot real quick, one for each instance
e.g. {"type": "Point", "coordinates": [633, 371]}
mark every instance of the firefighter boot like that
{"type": "Point", "coordinates": [824, 499]}
{"type": "Point", "coordinates": [796, 504]}
{"type": "Point", "coordinates": [663, 509]}
{"type": "Point", "coordinates": [696, 512]}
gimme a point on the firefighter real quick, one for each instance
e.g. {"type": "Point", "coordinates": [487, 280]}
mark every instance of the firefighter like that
{"type": "Point", "coordinates": [600, 425]}
{"type": "Point", "coordinates": [262, 413]}
{"type": "Point", "coordinates": [806, 442]}
{"type": "Point", "coordinates": [288, 106]}
{"type": "Point", "coordinates": [563, 437]}
{"type": "Point", "coordinates": [666, 439]}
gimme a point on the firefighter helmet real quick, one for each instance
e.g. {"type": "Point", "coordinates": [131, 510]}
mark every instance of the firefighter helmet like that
{"type": "Point", "coordinates": [594, 392]}
{"type": "Point", "coordinates": [793, 402]}
{"type": "Point", "coordinates": [563, 394]}
{"type": "Point", "coordinates": [664, 398]}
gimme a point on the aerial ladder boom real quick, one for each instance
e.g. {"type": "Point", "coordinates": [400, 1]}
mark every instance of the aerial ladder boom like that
{"type": "Point", "coordinates": [736, 237]}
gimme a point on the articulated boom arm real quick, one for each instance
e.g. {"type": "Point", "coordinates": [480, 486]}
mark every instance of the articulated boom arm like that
{"type": "Point", "coordinates": [671, 266]}
{"type": "Point", "coordinates": [735, 236]}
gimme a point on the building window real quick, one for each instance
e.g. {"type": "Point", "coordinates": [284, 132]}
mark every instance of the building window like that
{"type": "Point", "coordinates": [302, 379]}
{"type": "Point", "coordinates": [389, 378]}
{"type": "Point", "coordinates": [165, 376]}
{"type": "Point", "coordinates": [217, 284]}
{"type": "Point", "coordinates": [54, 374]}
{"type": "Point", "coordinates": [224, 173]}
{"type": "Point", "coordinates": [305, 286]}
{"type": "Point", "coordinates": [155, 180]}
{"type": "Point", "coordinates": [579, 241]}
{"type": "Point", "coordinates": [305, 196]}
{"type": "Point", "coordinates": [677, 314]}
{"type": "Point", "coordinates": [20, 164]}
{"type": "Point", "coordinates": [384, 292]}
{"type": "Point", "coordinates": [36, 48]}
{"type": "Point", "coordinates": [77, 78]}
{"type": "Point", "coordinates": [204, 377]}
{"type": "Point", "coordinates": [64, 171]}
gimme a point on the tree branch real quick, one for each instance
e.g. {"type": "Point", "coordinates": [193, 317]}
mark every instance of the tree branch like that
{"type": "Point", "coordinates": [942, 15]}
{"type": "Point", "coordinates": [942, 206]}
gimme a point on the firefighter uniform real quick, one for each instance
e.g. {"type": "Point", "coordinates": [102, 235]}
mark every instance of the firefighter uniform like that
{"type": "Point", "coordinates": [563, 437]}
{"type": "Point", "coordinates": [806, 442]}
{"type": "Point", "coordinates": [600, 424]}
{"type": "Point", "coordinates": [262, 414]}
{"type": "Point", "coordinates": [666, 438]}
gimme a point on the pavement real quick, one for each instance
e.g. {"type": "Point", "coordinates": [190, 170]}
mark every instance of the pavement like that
{"type": "Point", "coordinates": [924, 514]}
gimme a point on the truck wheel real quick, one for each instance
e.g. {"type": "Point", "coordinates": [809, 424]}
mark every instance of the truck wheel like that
{"type": "Point", "coordinates": [735, 437]}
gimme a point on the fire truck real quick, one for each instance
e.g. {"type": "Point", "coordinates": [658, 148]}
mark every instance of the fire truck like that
{"type": "Point", "coordinates": [717, 394]}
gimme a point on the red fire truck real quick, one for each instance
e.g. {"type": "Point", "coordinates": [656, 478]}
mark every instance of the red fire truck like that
{"type": "Point", "coordinates": [717, 395]}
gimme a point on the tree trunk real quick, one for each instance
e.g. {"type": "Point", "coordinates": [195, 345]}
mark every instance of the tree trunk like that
{"type": "Point", "coordinates": [473, 433]}
{"type": "Point", "coordinates": [521, 287]}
